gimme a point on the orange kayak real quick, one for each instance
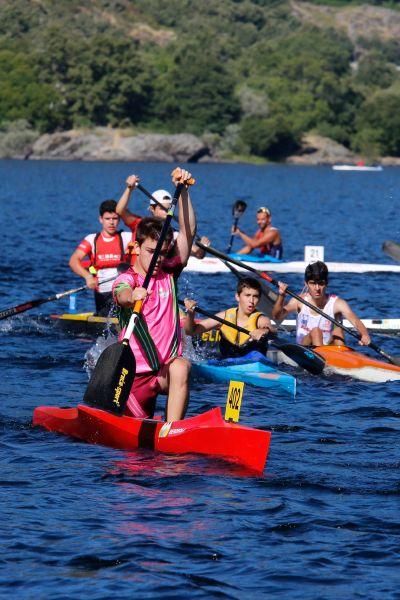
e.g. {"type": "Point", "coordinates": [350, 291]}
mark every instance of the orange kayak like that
{"type": "Point", "coordinates": [345, 361]}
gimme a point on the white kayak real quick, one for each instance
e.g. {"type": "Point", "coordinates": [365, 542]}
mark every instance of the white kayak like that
{"type": "Point", "coordinates": [389, 326]}
{"type": "Point", "coordinates": [210, 264]}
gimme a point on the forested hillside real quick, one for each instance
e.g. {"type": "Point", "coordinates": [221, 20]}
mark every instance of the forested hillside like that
{"type": "Point", "coordinates": [253, 76]}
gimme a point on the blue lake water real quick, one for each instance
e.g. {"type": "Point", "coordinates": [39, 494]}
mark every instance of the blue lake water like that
{"type": "Point", "coordinates": [87, 521]}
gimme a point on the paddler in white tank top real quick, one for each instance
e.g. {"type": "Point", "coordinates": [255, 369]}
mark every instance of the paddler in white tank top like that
{"type": "Point", "coordinates": [312, 328]}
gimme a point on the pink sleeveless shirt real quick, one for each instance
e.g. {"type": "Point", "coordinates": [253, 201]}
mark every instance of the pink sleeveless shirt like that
{"type": "Point", "coordinates": [161, 315]}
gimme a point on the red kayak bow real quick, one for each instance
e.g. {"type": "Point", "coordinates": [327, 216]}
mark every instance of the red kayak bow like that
{"type": "Point", "coordinates": [206, 433]}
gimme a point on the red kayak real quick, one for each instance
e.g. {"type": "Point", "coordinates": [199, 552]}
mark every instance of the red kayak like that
{"type": "Point", "coordinates": [207, 433]}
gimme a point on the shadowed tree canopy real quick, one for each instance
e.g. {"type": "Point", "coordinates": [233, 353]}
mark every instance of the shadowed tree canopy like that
{"type": "Point", "coordinates": [255, 75]}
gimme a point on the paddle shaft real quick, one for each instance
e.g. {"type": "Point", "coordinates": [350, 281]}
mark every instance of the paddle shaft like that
{"type": "Point", "coordinates": [20, 308]}
{"type": "Point", "coordinates": [235, 224]}
{"type": "Point", "coordinates": [139, 303]}
{"type": "Point", "coordinates": [274, 282]}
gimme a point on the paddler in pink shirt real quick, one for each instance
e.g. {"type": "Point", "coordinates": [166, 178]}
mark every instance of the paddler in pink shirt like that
{"type": "Point", "coordinates": [156, 342]}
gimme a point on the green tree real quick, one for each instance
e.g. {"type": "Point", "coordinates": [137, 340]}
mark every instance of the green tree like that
{"type": "Point", "coordinates": [103, 80]}
{"type": "Point", "coordinates": [22, 96]}
{"type": "Point", "coordinates": [195, 93]}
{"type": "Point", "coordinates": [271, 138]}
{"type": "Point", "coordinates": [378, 124]}
{"type": "Point", "coordinates": [374, 72]}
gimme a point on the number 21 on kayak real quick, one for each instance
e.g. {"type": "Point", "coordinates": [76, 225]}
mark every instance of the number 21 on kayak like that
{"type": "Point", "coordinates": [234, 401]}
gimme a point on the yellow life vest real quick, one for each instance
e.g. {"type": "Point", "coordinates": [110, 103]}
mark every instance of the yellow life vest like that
{"type": "Point", "coordinates": [232, 335]}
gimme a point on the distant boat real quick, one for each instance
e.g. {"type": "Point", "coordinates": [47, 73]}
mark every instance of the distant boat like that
{"type": "Point", "coordinates": [357, 167]}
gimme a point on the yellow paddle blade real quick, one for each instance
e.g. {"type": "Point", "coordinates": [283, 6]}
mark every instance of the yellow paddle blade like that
{"type": "Point", "coordinates": [234, 401]}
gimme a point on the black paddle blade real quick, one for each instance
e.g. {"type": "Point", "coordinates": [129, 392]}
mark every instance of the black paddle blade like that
{"type": "Point", "coordinates": [112, 379]}
{"type": "Point", "coordinates": [392, 249]}
{"type": "Point", "coordinates": [304, 357]}
{"type": "Point", "coordinates": [238, 208]}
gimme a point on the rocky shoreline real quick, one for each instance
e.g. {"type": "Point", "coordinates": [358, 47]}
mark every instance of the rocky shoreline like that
{"type": "Point", "coordinates": [107, 144]}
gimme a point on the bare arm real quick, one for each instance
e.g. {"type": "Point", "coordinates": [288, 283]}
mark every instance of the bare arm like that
{"type": "Point", "coordinates": [264, 322]}
{"type": "Point", "coordinates": [187, 217]}
{"type": "Point", "coordinates": [341, 307]}
{"type": "Point", "coordinates": [279, 310]}
{"type": "Point", "coordinates": [127, 296]}
{"type": "Point", "coordinates": [76, 266]}
{"type": "Point", "coordinates": [253, 243]}
{"type": "Point", "coordinates": [126, 215]}
{"type": "Point", "coordinates": [264, 326]}
{"type": "Point", "coordinates": [193, 328]}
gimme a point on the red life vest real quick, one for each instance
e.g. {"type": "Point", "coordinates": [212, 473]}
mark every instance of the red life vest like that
{"type": "Point", "coordinates": [107, 254]}
{"type": "Point", "coordinates": [263, 249]}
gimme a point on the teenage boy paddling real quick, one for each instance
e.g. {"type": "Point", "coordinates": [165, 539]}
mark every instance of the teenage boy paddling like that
{"type": "Point", "coordinates": [312, 329]}
{"type": "Point", "coordinates": [106, 251]}
{"type": "Point", "coordinates": [245, 314]}
{"type": "Point", "coordinates": [156, 342]}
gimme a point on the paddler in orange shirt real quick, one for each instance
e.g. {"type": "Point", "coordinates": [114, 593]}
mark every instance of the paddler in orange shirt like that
{"type": "Point", "coordinates": [312, 329]}
{"type": "Point", "coordinates": [267, 239]}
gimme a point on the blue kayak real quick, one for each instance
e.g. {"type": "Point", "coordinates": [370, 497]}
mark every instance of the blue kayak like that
{"type": "Point", "coordinates": [257, 258]}
{"type": "Point", "coordinates": [253, 368]}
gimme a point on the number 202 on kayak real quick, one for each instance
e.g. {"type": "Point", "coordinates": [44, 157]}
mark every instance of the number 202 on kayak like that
{"type": "Point", "coordinates": [234, 401]}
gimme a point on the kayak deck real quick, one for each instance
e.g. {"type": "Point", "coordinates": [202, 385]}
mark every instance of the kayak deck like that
{"type": "Point", "coordinates": [253, 368]}
{"type": "Point", "coordinates": [86, 323]}
{"type": "Point", "coordinates": [388, 326]}
{"type": "Point", "coordinates": [206, 433]}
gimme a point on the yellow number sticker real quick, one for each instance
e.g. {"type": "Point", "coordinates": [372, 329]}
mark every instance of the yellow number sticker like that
{"type": "Point", "coordinates": [234, 401]}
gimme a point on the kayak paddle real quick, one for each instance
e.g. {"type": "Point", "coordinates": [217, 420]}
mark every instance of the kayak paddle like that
{"type": "Point", "coordinates": [20, 308]}
{"type": "Point", "coordinates": [392, 249]}
{"type": "Point", "coordinates": [301, 355]}
{"type": "Point", "coordinates": [263, 275]}
{"type": "Point", "coordinates": [112, 379]}
{"type": "Point", "coordinates": [237, 211]}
